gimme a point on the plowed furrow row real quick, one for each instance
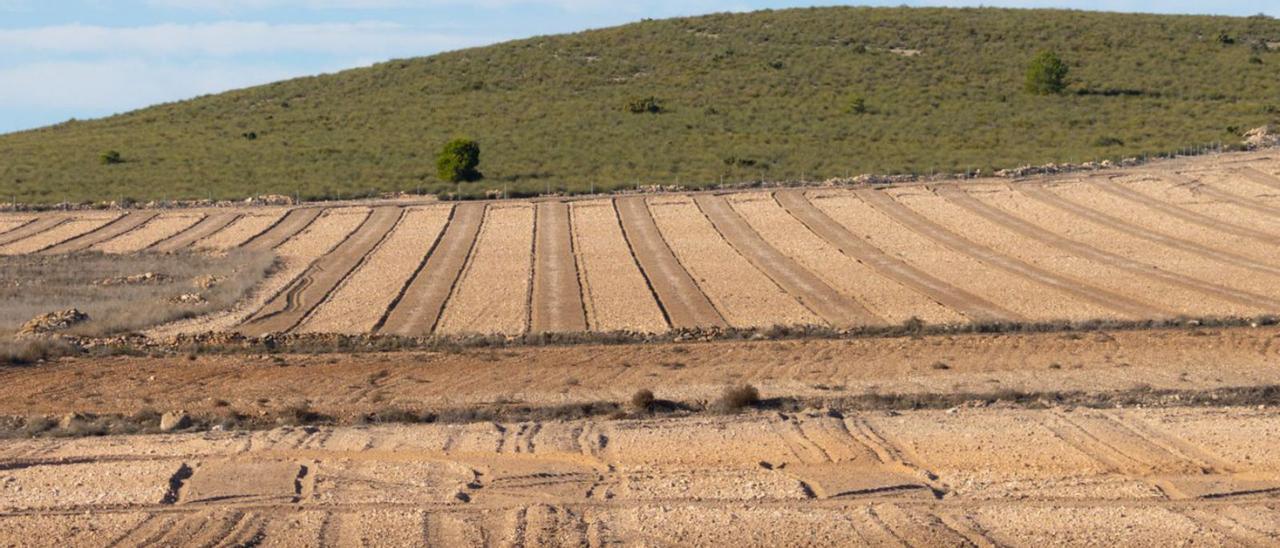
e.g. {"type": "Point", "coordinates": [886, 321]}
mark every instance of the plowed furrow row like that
{"type": "Point", "coordinates": [1075, 288]}
{"type": "Point", "coordinates": [155, 230]}
{"type": "Point", "coordinates": [10, 225]}
{"type": "Point", "coordinates": [616, 295]}
{"type": "Point", "coordinates": [1043, 195]}
{"type": "Point", "coordinates": [970, 305]}
{"type": "Point", "coordinates": [557, 294]}
{"type": "Point", "coordinates": [113, 229]}
{"type": "Point", "coordinates": [207, 226]}
{"type": "Point", "coordinates": [492, 296]}
{"type": "Point", "coordinates": [684, 304]}
{"type": "Point", "coordinates": [833, 307]}
{"type": "Point", "coordinates": [422, 301]}
{"type": "Point", "coordinates": [1205, 221]}
{"type": "Point", "coordinates": [287, 226]}
{"type": "Point", "coordinates": [1260, 177]}
{"type": "Point", "coordinates": [33, 228]}
{"type": "Point", "coordinates": [287, 310]}
{"type": "Point", "coordinates": [1080, 249]}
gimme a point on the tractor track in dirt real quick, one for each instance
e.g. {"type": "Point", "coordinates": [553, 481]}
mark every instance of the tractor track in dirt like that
{"type": "Point", "coordinates": [121, 225]}
{"type": "Point", "coordinates": [556, 304]}
{"type": "Point", "coordinates": [1204, 221]}
{"type": "Point", "coordinates": [683, 303]}
{"type": "Point", "coordinates": [421, 305]}
{"type": "Point", "coordinates": [285, 311]}
{"type": "Point", "coordinates": [206, 227]}
{"type": "Point", "coordinates": [827, 303]}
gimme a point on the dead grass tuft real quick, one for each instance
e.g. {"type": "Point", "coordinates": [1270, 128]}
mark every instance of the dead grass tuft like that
{"type": "Point", "coordinates": [736, 398]}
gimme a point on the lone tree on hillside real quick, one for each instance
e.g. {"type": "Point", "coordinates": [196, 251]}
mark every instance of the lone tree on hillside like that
{"type": "Point", "coordinates": [457, 161]}
{"type": "Point", "coordinates": [1047, 74]}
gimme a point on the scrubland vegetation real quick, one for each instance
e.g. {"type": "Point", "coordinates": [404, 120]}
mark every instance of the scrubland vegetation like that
{"type": "Point", "coordinates": [774, 94]}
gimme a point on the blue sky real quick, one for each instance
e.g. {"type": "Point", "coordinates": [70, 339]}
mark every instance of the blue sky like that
{"type": "Point", "coordinates": [61, 59]}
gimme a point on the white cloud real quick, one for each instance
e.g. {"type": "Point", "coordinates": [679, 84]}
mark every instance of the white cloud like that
{"type": "Point", "coordinates": [121, 84]}
{"type": "Point", "coordinates": [232, 38]}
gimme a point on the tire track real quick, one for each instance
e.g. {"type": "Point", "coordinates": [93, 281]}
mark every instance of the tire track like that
{"type": "Point", "coordinates": [1078, 289]}
{"type": "Point", "coordinates": [285, 311]}
{"type": "Point", "coordinates": [1119, 190]}
{"type": "Point", "coordinates": [557, 302]}
{"type": "Point", "coordinates": [1222, 195]}
{"type": "Point", "coordinates": [1043, 195]}
{"type": "Point", "coordinates": [1260, 177]}
{"type": "Point", "coordinates": [119, 226]}
{"type": "Point", "coordinates": [33, 228]}
{"type": "Point", "coordinates": [825, 302]}
{"type": "Point", "coordinates": [421, 304]}
{"type": "Point", "coordinates": [1089, 252]}
{"type": "Point", "coordinates": [287, 226]}
{"type": "Point", "coordinates": [683, 303]}
{"type": "Point", "coordinates": [962, 302]}
{"type": "Point", "coordinates": [207, 226]}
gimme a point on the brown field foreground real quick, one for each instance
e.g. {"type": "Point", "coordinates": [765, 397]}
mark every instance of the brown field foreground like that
{"type": "Point", "coordinates": [981, 363]}
{"type": "Point", "coordinates": [1151, 437]}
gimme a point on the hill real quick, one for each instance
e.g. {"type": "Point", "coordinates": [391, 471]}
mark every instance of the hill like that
{"type": "Point", "coordinates": [742, 96]}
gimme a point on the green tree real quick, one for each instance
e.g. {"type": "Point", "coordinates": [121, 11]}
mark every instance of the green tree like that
{"type": "Point", "coordinates": [1047, 74]}
{"type": "Point", "coordinates": [458, 160]}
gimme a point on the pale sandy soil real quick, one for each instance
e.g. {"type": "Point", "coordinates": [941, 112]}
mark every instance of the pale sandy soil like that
{"type": "Point", "coordinates": [493, 294]}
{"type": "Point", "coordinates": [241, 230]}
{"type": "Point", "coordinates": [357, 305]}
{"type": "Point", "coordinates": [743, 295]}
{"type": "Point", "coordinates": [615, 293]}
{"type": "Point", "coordinates": [294, 256]}
{"type": "Point", "coordinates": [1119, 243]}
{"type": "Point", "coordinates": [1015, 293]}
{"type": "Point", "coordinates": [885, 297]}
{"type": "Point", "coordinates": [1098, 274]}
{"type": "Point", "coordinates": [65, 231]}
{"type": "Point", "coordinates": [157, 229]}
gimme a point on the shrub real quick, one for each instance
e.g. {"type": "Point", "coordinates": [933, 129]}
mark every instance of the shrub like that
{"type": "Point", "coordinates": [1047, 74]}
{"type": "Point", "coordinates": [458, 160]}
{"type": "Point", "coordinates": [27, 351]}
{"type": "Point", "coordinates": [736, 398]}
{"type": "Point", "coordinates": [645, 105]}
{"type": "Point", "coordinates": [1108, 141]}
{"type": "Point", "coordinates": [111, 157]}
{"type": "Point", "coordinates": [643, 399]}
{"type": "Point", "coordinates": [858, 105]}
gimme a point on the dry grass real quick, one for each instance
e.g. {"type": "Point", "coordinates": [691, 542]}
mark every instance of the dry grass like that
{"type": "Point", "coordinates": [31, 285]}
{"type": "Point", "coordinates": [32, 350]}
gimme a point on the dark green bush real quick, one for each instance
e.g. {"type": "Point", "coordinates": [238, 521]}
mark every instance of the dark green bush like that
{"type": "Point", "coordinates": [458, 160]}
{"type": "Point", "coordinates": [1047, 74]}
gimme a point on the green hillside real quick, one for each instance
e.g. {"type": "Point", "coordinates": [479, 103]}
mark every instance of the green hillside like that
{"type": "Point", "coordinates": [742, 96]}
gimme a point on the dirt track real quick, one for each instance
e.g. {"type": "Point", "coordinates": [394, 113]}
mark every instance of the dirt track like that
{"type": "Point", "coordinates": [419, 309]}
{"type": "Point", "coordinates": [557, 293]}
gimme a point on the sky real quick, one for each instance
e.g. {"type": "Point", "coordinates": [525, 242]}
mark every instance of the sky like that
{"type": "Point", "coordinates": [62, 59]}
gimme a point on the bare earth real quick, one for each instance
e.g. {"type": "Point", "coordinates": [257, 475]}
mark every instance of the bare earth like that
{"type": "Point", "coordinates": [1102, 436]}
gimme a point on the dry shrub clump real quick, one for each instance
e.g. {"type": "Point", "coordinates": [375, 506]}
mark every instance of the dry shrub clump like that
{"type": "Point", "coordinates": [736, 398]}
{"type": "Point", "coordinates": [31, 285]}
{"type": "Point", "coordinates": [643, 399]}
{"type": "Point", "coordinates": [31, 350]}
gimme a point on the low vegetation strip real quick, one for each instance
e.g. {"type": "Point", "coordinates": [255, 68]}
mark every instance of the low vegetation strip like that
{"type": "Point", "coordinates": [884, 296]}
{"type": "Point", "coordinates": [285, 228]}
{"type": "Point", "coordinates": [1134, 197]}
{"type": "Point", "coordinates": [615, 292]}
{"type": "Point", "coordinates": [1223, 256]}
{"type": "Point", "coordinates": [493, 292]}
{"type": "Point", "coordinates": [959, 300]}
{"type": "Point", "coordinates": [833, 307]}
{"type": "Point", "coordinates": [117, 227]}
{"type": "Point", "coordinates": [362, 299]}
{"type": "Point", "coordinates": [208, 225]}
{"type": "Point", "coordinates": [313, 287]}
{"type": "Point", "coordinates": [1076, 288]}
{"type": "Point", "coordinates": [157, 229]}
{"type": "Point", "coordinates": [58, 233]}
{"type": "Point", "coordinates": [1147, 267]}
{"type": "Point", "coordinates": [421, 302]}
{"type": "Point", "coordinates": [557, 293]}
{"type": "Point", "coordinates": [744, 295]}
{"type": "Point", "coordinates": [682, 301]}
